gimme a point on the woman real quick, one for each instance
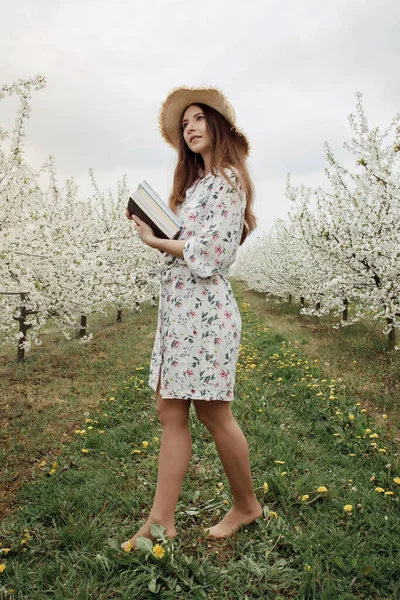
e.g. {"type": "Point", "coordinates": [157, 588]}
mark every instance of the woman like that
{"type": "Point", "coordinates": [198, 333]}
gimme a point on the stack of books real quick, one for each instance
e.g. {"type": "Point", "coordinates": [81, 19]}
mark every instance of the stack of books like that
{"type": "Point", "coordinates": [148, 206]}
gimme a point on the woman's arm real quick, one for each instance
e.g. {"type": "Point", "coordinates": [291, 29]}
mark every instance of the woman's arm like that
{"type": "Point", "coordinates": [174, 247]}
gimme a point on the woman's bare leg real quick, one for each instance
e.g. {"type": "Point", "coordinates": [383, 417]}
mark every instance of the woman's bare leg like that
{"type": "Point", "coordinates": [233, 451]}
{"type": "Point", "coordinates": [174, 459]}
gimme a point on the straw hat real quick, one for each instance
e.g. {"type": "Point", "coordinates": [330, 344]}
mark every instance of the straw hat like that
{"type": "Point", "coordinates": [173, 107]}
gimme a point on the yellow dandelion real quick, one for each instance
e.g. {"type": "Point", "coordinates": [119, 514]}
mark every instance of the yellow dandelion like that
{"type": "Point", "coordinates": [389, 493]}
{"type": "Point", "coordinates": [4, 550]}
{"type": "Point", "coordinates": [363, 410]}
{"type": "Point", "coordinates": [220, 485]}
{"type": "Point", "coordinates": [380, 490]}
{"type": "Point", "coordinates": [260, 410]}
{"type": "Point", "coordinates": [145, 444]}
{"type": "Point", "coordinates": [373, 478]}
{"type": "Point", "coordinates": [322, 489]}
{"type": "Point", "coordinates": [382, 450]}
{"type": "Point", "coordinates": [136, 452]}
{"type": "Point", "coordinates": [397, 480]}
{"type": "Point", "coordinates": [84, 450]}
{"type": "Point", "coordinates": [266, 487]}
{"type": "Point", "coordinates": [384, 416]}
{"type": "Point", "coordinates": [158, 551]}
{"type": "Point", "coordinates": [101, 431]}
{"type": "Point", "coordinates": [351, 417]}
{"type": "Point", "coordinates": [112, 398]}
{"type": "Point", "coordinates": [2, 567]}
{"type": "Point", "coordinates": [273, 514]}
{"type": "Point", "coordinates": [348, 508]}
{"type": "Point", "coordinates": [305, 497]}
{"type": "Point", "coordinates": [336, 435]}
{"type": "Point", "coordinates": [373, 436]}
{"type": "Point", "coordinates": [52, 471]}
{"type": "Point", "coordinates": [279, 462]}
{"type": "Point", "coordinates": [307, 567]}
{"type": "Point", "coordinates": [284, 473]}
{"type": "Point", "coordinates": [156, 439]}
{"type": "Point", "coordinates": [127, 546]}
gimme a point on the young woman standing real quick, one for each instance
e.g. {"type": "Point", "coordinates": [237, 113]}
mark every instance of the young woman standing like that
{"type": "Point", "coordinates": [199, 326]}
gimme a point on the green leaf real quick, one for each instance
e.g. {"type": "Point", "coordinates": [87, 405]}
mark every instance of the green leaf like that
{"type": "Point", "coordinates": [114, 543]}
{"type": "Point", "coordinates": [143, 543]}
{"type": "Point", "coordinates": [157, 531]}
{"type": "Point", "coordinates": [153, 587]}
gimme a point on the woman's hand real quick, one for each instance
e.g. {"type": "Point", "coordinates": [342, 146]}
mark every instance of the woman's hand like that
{"type": "Point", "coordinates": [145, 232]}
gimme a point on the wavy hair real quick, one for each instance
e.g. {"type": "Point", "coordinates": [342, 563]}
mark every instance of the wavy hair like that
{"type": "Point", "coordinates": [229, 150]}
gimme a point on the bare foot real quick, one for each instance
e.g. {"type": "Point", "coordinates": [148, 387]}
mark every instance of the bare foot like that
{"type": "Point", "coordinates": [232, 521]}
{"type": "Point", "coordinates": [145, 532]}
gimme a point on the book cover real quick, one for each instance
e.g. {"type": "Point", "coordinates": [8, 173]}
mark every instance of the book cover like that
{"type": "Point", "coordinates": [146, 187]}
{"type": "Point", "coordinates": [155, 216]}
{"type": "Point", "coordinates": [159, 230]}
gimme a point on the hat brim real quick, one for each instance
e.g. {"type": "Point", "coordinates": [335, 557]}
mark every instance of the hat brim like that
{"type": "Point", "coordinates": [180, 98]}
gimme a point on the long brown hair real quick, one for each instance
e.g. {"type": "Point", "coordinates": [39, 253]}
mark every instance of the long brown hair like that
{"type": "Point", "coordinates": [229, 150]}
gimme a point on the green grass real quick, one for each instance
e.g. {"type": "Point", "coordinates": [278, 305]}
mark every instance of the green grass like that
{"type": "Point", "coordinates": [71, 523]}
{"type": "Point", "coordinates": [42, 399]}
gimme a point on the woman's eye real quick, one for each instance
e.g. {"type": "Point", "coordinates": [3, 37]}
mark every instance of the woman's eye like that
{"type": "Point", "coordinates": [198, 117]}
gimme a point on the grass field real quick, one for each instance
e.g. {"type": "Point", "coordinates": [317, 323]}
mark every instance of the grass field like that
{"type": "Point", "coordinates": [81, 447]}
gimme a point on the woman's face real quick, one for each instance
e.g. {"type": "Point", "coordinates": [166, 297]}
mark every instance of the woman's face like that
{"type": "Point", "coordinates": [195, 131]}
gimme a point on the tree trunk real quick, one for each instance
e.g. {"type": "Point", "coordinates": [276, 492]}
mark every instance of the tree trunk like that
{"type": "Point", "coordinates": [391, 335]}
{"type": "Point", "coordinates": [119, 315]}
{"type": "Point", "coordinates": [290, 298]}
{"type": "Point", "coordinates": [345, 310]}
{"type": "Point", "coordinates": [302, 301]}
{"type": "Point", "coordinates": [82, 330]}
{"type": "Point", "coordinates": [318, 306]}
{"type": "Point", "coordinates": [23, 327]}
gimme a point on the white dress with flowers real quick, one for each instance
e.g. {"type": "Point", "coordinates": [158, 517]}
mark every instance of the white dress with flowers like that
{"type": "Point", "coordinates": [199, 326]}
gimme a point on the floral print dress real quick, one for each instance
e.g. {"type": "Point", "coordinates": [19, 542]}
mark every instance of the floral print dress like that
{"type": "Point", "coordinates": [199, 325]}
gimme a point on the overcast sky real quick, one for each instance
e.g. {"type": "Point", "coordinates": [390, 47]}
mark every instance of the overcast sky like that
{"type": "Point", "coordinates": [291, 70]}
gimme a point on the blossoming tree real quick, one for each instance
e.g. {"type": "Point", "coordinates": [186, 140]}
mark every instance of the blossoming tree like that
{"type": "Point", "coordinates": [345, 241]}
{"type": "Point", "coordinates": [61, 256]}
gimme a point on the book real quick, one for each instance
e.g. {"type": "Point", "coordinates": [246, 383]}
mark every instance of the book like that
{"type": "Point", "coordinates": [148, 206]}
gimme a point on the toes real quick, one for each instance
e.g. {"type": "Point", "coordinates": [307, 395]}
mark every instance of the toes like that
{"type": "Point", "coordinates": [127, 546]}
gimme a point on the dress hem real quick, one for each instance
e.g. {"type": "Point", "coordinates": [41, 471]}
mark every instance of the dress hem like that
{"type": "Point", "coordinates": [185, 395]}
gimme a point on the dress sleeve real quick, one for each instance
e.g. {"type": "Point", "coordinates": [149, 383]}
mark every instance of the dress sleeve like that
{"type": "Point", "coordinates": [216, 248]}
